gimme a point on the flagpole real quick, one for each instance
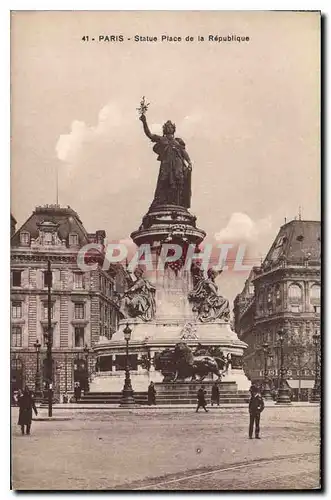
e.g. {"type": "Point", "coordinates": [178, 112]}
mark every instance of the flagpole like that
{"type": "Point", "coordinates": [57, 184]}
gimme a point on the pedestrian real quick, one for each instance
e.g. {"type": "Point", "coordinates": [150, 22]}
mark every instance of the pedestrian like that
{"type": "Point", "coordinates": [77, 391]}
{"type": "Point", "coordinates": [201, 399]}
{"type": "Point", "coordinates": [151, 394]}
{"type": "Point", "coordinates": [215, 394]}
{"type": "Point", "coordinates": [256, 406]}
{"type": "Point", "coordinates": [26, 404]}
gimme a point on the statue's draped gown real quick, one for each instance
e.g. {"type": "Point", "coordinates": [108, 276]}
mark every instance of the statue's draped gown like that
{"type": "Point", "coordinates": [174, 180]}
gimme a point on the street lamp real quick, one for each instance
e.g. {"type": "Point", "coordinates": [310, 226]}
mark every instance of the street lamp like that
{"type": "Point", "coordinates": [127, 393]}
{"type": "Point", "coordinates": [37, 346]}
{"type": "Point", "coordinates": [49, 284]}
{"type": "Point", "coordinates": [266, 388]}
{"type": "Point", "coordinates": [86, 351]}
{"type": "Point", "coordinates": [282, 396]}
{"type": "Point", "coordinates": [316, 396]}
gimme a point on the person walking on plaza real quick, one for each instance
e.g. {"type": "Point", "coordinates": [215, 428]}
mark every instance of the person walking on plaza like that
{"type": "Point", "coordinates": [77, 391]}
{"type": "Point", "coordinates": [215, 394]}
{"type": "Point", "coordinates": [151, 394]}
{"type": "Point", "coordinates": [256, 406]}
{"type": "Point", "coordinates": [26, 404]}
{"type": "Point", "coordinates": [201, 399]}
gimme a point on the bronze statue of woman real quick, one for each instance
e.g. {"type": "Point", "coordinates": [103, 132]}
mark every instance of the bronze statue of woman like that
{"type": "Point", "coordinates": [174, 180]}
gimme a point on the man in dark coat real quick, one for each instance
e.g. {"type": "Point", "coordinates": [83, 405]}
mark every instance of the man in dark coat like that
{"type": "Point", "coordinates": [256, 406]}
{"type": "Point", "coordinates": [201, 399]}
{"type": "Point", "coordinates": [151, 394]}
{"type": "Point", "coordinates": [77, 391]}
{"type": "Point", "coordinates": [215, 394]}
{"type": "Point", "coordinates": [26, 404]}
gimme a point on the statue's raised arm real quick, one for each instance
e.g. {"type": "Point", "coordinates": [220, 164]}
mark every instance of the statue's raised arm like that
{"type": "Point", "coordinates": [152, 137]}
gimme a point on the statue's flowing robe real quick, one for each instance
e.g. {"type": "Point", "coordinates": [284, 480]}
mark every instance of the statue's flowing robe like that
{"type": "Point", "coordinates": [174, 180]}
{"type": "Point", "coordinates": [140, 301]}
{"type": "Point", "coordinates": [209, 304]}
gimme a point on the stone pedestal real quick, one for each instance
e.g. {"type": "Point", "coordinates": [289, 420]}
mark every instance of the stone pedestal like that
{"type": "Point", "coordinates": [174, 320]}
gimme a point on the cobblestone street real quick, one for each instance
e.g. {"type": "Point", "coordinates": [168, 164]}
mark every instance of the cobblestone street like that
{"type": "Point", "coordinates": [168, 449]}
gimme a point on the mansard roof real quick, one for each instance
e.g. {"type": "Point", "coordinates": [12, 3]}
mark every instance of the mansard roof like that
{"type": "Point", "coordinates": [65, 218]}
{"type": "Point", "coordinates": [296, 242]}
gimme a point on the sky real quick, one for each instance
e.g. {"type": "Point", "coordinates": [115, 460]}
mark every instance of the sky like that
{"type": "Point", "coordinates": [249, 113]}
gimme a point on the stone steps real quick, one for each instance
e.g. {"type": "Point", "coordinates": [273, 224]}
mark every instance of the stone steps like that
{"type": "Point", "coordinates": [171, 394]}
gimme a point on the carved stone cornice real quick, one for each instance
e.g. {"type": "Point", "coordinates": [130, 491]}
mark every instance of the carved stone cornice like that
{"type": "Point", "coordinates": [39, 257]}
{"type": "Point", "coordinates": [278, 273]}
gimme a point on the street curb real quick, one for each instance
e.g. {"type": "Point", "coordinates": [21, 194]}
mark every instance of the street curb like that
{"type": "Point", "coordinates": [51, 419]}
{"type": "Point", "coordinates": [172, 407]}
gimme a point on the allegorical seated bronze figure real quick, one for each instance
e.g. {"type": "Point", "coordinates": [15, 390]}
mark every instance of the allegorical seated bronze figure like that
{"type": "Point", "coordinates": [139, 300]}
{"type": "Point", "coordinates": [208, 305]}
{"type": "Point", "coordinates": [174, 180]}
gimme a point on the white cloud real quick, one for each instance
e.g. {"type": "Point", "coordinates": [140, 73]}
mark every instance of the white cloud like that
{"type": "Point", "coordinates": [69, 146]}
{"type": "Point", "coordinates": [242, 228]}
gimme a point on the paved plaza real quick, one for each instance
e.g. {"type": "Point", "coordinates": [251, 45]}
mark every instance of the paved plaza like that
{"type": "Point", "coordinates": [168, 449]}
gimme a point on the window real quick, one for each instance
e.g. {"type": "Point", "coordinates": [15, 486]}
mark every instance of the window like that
{"type": "Point", "coordinates": [73, 240]}
{"type": "Point", "coordinates": [45, 279]}
{"type": "Point", "coordinates": [315, 293]}
{"type": "Point", "coordinates": [79, 311]}
{"type": "Point", "coordinates": [17, 310]}
{"type": "Point", "coordinates": [25, 238]}
{"type": "Point", "coordinates": [45, 310]}
{"type": "Point", "coordinates": [17, 278]}
{"type": "Point", "coordinates": [120, 362]}
{"type": "Point", "coordinates": [294, 308]}
{"type": "Point", "coordinates": [78, 280]}
{"type": "Point", "coordinates": [278, 295]}
{"type": "Point", "coordinates": [47, 238]}
{"type": "Point", "coordinates": [16, 365]}
{"type": "Point", "coordinates": [269, 300]}
{"type": "Point", "coordinates": [16, 336]}
{"type": "Point", "coordinates": [317, 309]}
{"type": "Point", "coordinates": [295, 292]}
{"type": "Point", "coordinates": [79, 337]}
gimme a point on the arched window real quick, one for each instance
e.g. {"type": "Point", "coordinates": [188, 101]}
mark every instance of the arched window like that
{"type": "Point", "coordinates": [295, 293]}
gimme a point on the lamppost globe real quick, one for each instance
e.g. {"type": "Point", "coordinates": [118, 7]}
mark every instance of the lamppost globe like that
{"type": "Point", "coordinates": [37, 345]}
{"type": "Point", "coordinates": [127, 333]}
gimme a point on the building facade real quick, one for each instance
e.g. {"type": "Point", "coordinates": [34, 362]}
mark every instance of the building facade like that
{"type": "Point", "coordinates": [83, 303]}
{"type": "Point", "coordinates": [283, 293]}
